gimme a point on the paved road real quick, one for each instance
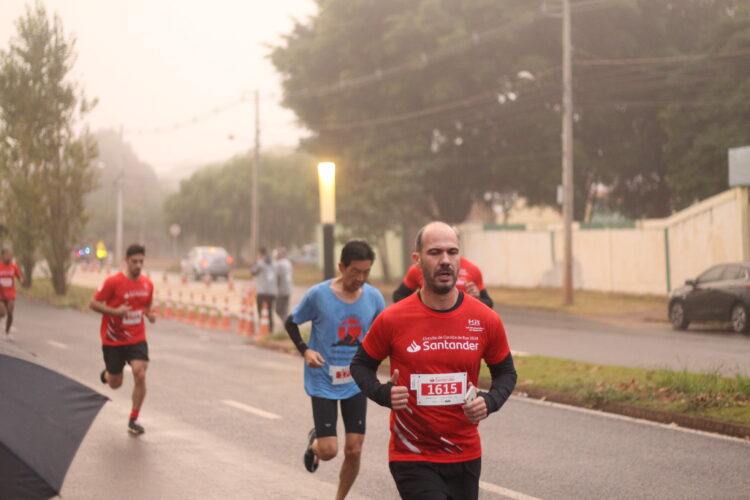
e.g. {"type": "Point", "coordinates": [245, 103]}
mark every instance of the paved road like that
{"type": "Point", "coordinates": [651, 345]}
{"type": "Point", "coordinates": [212, 431]}
{"type": "Point", "coordinates": [625, 343]}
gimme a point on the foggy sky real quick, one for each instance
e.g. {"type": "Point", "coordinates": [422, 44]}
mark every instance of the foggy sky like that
{"type": "Point", "coordinates": [154, 63]}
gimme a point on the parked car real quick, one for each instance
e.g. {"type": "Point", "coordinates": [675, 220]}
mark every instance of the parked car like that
{"type": "Point", "coordinates": [722, 293]}
{"type": "Point", "coordinates": [207, 261]}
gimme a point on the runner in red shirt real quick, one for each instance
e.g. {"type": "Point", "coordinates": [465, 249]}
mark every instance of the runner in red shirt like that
{"type": "Point", "coordinates": [123, 300]}
{"type": "Point", "coordinates": [469, 280]}
{"type": "Point", "coordinates": [436, 340]}
{"type": "Point", "coordinates": [8, 273]}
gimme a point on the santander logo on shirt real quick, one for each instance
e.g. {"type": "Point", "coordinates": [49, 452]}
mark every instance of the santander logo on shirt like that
{"type": "Point", "coordinates": [445, 343]}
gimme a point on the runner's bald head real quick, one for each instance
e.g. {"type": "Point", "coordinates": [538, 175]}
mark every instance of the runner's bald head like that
{"type": "Point", "coordinates": [429, 228]}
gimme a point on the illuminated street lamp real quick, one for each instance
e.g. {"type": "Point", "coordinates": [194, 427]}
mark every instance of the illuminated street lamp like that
{"type": "Point", "coordinates": [327, 185]}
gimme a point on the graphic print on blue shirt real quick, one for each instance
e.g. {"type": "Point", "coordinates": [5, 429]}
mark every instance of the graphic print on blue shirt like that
{"type": "Point", "coordinates": [337, 331]}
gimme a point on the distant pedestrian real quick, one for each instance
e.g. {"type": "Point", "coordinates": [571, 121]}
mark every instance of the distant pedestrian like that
{"type": "Point", "coordinates": [283, 268]}
{"type": "Point", "coordinates": [265, 283]}
{"type": "Point", "coordinates": [123, 300]}
{"type": "Point", "coordinates": [8, 273]}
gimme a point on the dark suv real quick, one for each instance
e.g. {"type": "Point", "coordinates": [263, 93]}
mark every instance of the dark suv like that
{"type": "Point", "coordinates": [722, 293]}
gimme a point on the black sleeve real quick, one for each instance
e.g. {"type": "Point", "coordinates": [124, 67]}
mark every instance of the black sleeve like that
{"type": "Point", "coordinates": [364, 371]}
{"type": "Point", "coordinates": [293, 330]}
{"type": "Point", "coordinates": [485, 297]}
{"type": "Point", "coordinates": [503, 381]}
{"type": "Point", "coordinates": [401, 292]}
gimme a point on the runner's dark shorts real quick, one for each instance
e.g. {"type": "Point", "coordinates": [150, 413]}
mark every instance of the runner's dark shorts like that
{"type": "Point", "coordinates": [353, 413]}
{"type": "Point", "coordinates": [436, 481]}
{"type": "Point", "coordinates": [115, 356]}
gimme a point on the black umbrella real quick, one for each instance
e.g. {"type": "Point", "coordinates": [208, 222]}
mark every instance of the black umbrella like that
{"type": "Point", "coordinates": [43, 418]}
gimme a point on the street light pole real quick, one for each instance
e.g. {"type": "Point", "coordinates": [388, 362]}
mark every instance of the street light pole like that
{"type": "Point", "coordinates": [567, 156]}
{"type": "Point", "coordinates": [118, 223]}
{"type": "Point", "coordinates": [327, 187]}
{"type": "Point", "coordinates": [254, 183]}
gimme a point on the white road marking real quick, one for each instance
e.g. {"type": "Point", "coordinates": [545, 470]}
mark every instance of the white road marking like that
{"type": "Point", "coordinates": [515, 495]}
{"type": "Point", "coordinates": [57, 344]}
{"type": "Point", "coordinates": [626, 418]}
{"type": "Point", "coordinates": [250, 409]}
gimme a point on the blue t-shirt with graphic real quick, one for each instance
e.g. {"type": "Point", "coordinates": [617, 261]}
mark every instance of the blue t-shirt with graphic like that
{"type": "Point", "coordinates": [337, 331]}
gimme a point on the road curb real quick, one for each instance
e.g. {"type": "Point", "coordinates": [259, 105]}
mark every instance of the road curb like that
{"type": "Point", "coordinates": [635, 411]}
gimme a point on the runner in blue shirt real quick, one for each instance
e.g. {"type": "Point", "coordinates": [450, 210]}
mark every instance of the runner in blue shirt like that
{"type": "Point", "coordinates": [341, 311]}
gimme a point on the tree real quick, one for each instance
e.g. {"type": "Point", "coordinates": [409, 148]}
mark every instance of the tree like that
{"type": "Point", "coordinates": [45, 160]}
{"type": "Point", "coordinates": [143, 197]}
{"type": "Point", "coordinates": [433, 87]}
{"type": "Point", "coordinates": [213, 205]}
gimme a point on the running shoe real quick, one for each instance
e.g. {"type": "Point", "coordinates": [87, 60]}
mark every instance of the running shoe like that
{"type": "Point", "coordinates": [9, 337]}
{"type": "Point", "coordinates": [311, 459]}
{"type": "Point", "coordinates": [135, 428]}
{"type": "Point", "coordinates": [103, 377]}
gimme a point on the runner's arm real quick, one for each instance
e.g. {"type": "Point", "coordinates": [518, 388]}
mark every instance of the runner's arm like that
{"type": "Point", "coordinates": [364, 371]}
{"type": "Point", "coordinates": [293, 331]}
{"type": "Point", "coordinates": [503, 381]}
{"type": "Point", "coordinates": [401, 292]}
{"type": "Point", "coordinates": [485, 297]}
{"type": "Point", "coordinates": [103, 308]}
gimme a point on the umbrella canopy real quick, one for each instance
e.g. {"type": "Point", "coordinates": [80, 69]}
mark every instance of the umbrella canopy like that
{"type": "Point", "coordinates": [43, 418]}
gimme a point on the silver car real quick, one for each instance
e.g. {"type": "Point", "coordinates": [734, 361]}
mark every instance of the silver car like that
{"type": "Point", "coordinates": [207, 261]}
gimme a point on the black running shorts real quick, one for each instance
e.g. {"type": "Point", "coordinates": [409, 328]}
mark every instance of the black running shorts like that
{"type": "Point", "coordinates": [115, 356]}
{"type": "Point", "coordinates": [353, 413]}
{"type": "Point", "coordinates": [437, 481]}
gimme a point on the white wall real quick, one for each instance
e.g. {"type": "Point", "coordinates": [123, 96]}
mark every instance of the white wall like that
{"type": "Point", "coordinates": [633, 260]}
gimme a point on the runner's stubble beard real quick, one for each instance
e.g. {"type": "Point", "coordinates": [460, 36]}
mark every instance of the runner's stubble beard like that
{"type": "Point", "coordinates": [434, 285]}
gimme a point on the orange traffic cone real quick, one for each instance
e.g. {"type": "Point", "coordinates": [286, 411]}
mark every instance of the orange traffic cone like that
{"type": "Point", "coordinates": [230, 283]}
{"type": "Point", "coordinates": [202, 311]}
{"type": "Point", "coordinates": [168, 306]}
{"type": "Point", "coordinates": [164, 277]}
{"type": "Point", "coordinates": [264, 321]}
{"type": "Point", "coordinates": [250, 325]}
{"type": "Point", "coordinates": [190, 314]}
{"type": "Point", "coordinates": [213, 314]}
{"type": "Point", "coordinates": [157, 305]}
{"type": "Point", "coordinates": [242, 323]}
{"type": "Point", "coordinates": [226, 319]}
{"type": "Point", "coordinates": [207, 280]}
{"type": "Point", "coordinates": [179, 307]}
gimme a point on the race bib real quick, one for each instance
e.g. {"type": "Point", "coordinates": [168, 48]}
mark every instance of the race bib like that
{"type": "Point", "coordinates": [340, 375]}
{"type": "Point", "coordinates": [6, 282]}
{"type": "Point", "coordinates": [132, 318]}
{"type": "Point", "coordinates": [439, 389]}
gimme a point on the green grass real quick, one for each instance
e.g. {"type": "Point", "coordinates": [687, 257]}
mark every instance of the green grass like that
{"type": "Point", "coordinates": [701, 394]}
{"type": "Point", "coordinates": [585, 303]}
{"type": "Point", "coordinates": [77, 297]}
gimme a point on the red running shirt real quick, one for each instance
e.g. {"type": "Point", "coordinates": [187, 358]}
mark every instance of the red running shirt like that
{"type": "Point", "coordinates": [7, 284]}
{"type": "Point", "coordinates": [436, 354]}
{"type": "Point", "coordinates": [118, 289]}
{"type": "Point", "coordinates": [467, 273]}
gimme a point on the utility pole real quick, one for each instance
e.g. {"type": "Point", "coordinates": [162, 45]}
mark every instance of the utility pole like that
{"type": "Point", "coordinates": [254, 180]}
{"type": "Point", "coordinates": [567, 155]}
{"type": "Point", "coordinates": [118, 186]}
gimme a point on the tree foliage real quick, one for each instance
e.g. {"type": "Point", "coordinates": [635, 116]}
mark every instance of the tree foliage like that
{"type": "Point", "coordinates": [143, 197]}
{"type": "Point", "coordinates": [427, 105]}
{"type": "Point", "coordinates": [213, 206]}
{"type": "Point", "coordinates": [45, 155]}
